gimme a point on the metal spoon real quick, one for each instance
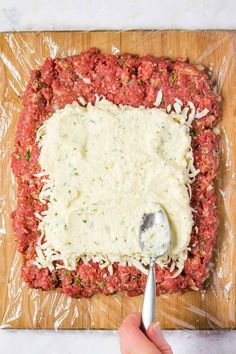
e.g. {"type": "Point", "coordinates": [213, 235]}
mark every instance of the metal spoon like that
{"type": "Point", "coordinates": [149, 303]}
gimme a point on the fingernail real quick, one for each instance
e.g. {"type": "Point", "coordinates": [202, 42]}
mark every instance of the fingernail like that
{"type": "Point", "coordinates": [157, 326]}
{"type": "Point", "coordinates": [134, 314]}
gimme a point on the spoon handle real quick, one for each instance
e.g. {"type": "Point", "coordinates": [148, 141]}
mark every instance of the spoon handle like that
{"type": "Point", "coordinates": [149, 301]}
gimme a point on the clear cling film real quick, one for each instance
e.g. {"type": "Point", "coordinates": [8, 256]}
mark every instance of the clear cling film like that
{"type": "Point", "coordinates": [214, 307]}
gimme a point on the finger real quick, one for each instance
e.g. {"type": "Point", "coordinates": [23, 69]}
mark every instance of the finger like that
{"type": "Point", "coordinates": [154, 333]}
{"type": "Point", "coordinates": [123, 349]}
{"type": "Point", "coordinates": [132, 338]}
{"type": "Point", "coordinates": [136, 320]}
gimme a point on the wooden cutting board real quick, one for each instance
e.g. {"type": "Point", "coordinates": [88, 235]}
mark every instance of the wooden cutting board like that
{"type": "Point", "coordinates": [21, 307]}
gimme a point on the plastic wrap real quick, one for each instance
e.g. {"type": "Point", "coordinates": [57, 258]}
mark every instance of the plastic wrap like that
{"type": "Point", "coordinates": [213, 307]}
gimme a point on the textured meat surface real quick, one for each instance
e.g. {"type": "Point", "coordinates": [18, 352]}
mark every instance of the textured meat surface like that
{"type": "Point", "coordinates": [129, 80]}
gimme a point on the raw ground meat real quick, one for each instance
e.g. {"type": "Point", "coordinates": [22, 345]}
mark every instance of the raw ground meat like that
{"type": "Point", "coordinates": [129, 80]}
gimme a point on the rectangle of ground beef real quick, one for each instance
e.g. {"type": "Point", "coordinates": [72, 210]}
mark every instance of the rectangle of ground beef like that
{"type": "Point", "coordinates": [128, 80]}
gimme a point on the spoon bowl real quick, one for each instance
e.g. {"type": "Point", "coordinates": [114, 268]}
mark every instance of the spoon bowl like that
{"type": "Point", "coordinates": [158, 223]}
{"type": "Point", "coordinates": [154, 241]}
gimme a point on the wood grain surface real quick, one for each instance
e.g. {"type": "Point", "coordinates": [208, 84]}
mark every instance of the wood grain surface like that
{"type": "Point", "coordinates": [21, 307]}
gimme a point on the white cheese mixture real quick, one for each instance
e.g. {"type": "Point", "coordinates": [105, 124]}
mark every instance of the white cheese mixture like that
{"type": "Point", "coordinates": [155, 239]}
{"type": "Point", "coordinates": [106, 166]}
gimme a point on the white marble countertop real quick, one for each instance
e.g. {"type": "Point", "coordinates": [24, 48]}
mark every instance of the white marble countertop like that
{"type": "Point", "coordinates": [108, 14]}
{"type": "Point", "coordinates": [113, 14]}
{"type": "Point", "coordinates": [106, 342]}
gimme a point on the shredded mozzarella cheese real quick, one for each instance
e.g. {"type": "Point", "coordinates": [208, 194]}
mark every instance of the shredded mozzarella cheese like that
{"type": "Point", "coordinates": [158, 98]}
{"type": "Point", "coordinates": [46, 251]}
{"type": "Point", "coordinates": [202, 114]}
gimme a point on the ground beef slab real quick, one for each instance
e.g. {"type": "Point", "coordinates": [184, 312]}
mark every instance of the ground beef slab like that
{"type": "Point", "coordinates": [129, 80]}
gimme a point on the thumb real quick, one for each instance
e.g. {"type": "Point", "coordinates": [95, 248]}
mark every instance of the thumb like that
{"type": "Point", "coordinates": [132, 339]}
{"type": "Point", "coordinates": [154, 333]}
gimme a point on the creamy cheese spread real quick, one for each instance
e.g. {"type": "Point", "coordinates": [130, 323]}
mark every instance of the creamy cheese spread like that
{"type": "Point", "coordinates": [104, 167]}
{"type": "Point", "coordinates": [154, 234]}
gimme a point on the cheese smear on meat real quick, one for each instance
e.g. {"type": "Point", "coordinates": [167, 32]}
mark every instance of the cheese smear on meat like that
{"type": "Point", "coordinates": [105, 166]}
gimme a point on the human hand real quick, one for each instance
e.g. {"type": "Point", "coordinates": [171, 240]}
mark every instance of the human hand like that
{"type": "Point", "coordinates": [134, 341]}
